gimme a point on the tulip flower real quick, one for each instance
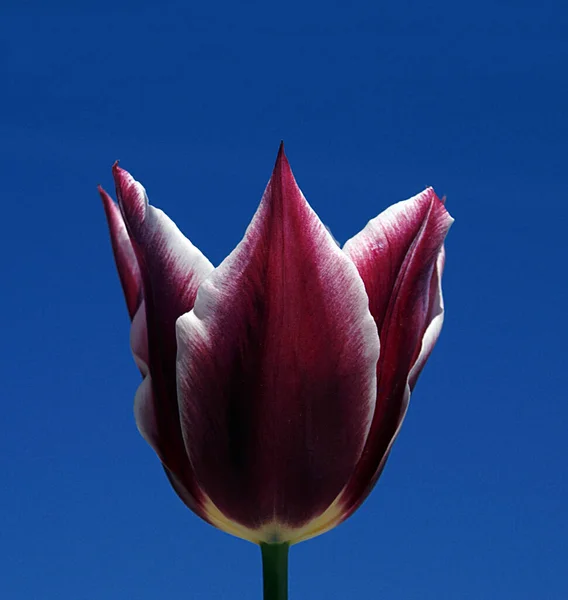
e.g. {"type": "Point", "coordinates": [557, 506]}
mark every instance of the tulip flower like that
{"type": "Point", "coordinates": [274, 385]}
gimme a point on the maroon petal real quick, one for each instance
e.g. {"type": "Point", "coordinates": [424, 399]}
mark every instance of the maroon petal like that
{"type": "Point", "coordinates": [130, 278]}
{"type": "Point", "coordinates": [277, 369]}
{"type": "Point", "coordinates": [399, 256]}
{"type": "Point", "coordinates": [171, 270]}
{"type": "Point", "coordinates": [126, 263]}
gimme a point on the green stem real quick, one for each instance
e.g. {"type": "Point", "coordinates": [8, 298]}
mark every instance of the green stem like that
{"type": "Point", "coordinates": [275, 571]}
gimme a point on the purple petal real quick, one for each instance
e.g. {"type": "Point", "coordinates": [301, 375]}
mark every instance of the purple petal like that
{"type": "Point", "coordinates": [399, 256]}
{"type": "Point", "coordinates": [172, 270]}
{"type": "Point", "coordinates": [131, 280]}
{"type": "Point", "coordinates": [126, 263]}
{"type": "Point", "coordinates": [277, 369]}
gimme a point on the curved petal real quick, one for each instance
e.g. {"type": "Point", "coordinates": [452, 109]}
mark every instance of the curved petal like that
{"type": "Point", "coordinates": [399, 256]}
{"type": "Point", "coordinates": [172, 270]}
{"type": "Point", "coordinates": [124, 257]}
{"type": "Point", "coordinates": [434, 320]}
{"type": "Point", "coordinates": [131, 279]}
{"type": "Point", "coordinates": [277, 369]}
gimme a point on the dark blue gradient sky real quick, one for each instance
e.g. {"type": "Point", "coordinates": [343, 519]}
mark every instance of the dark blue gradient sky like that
{"type": "Point", "coordinates": [374, 102]}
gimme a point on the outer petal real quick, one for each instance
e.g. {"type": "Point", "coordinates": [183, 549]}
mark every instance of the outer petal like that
{"type": "Point", "coordinates": [130, 278]}
{"type": "Point", "coordinates": [400, 257]}
{"type": "Point", "coordinates": [171, 269]}
{"type": "Point", "coordinates": [126, 263]}
{"type": "Point", "coordinates": [276, 370]}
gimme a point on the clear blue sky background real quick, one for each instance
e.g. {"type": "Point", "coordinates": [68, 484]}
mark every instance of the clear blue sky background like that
{"type": "Point", "coordinates": [374, 101]}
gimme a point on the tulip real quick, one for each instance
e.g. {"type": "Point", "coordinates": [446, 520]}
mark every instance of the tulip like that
{"type": "Point", "coordinates": [275, 384]}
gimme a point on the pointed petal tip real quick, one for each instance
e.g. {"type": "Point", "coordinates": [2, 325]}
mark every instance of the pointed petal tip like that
{"type": "Point", "coordinates": [112, 212]}
{"type": "Point", "coordinates": [120, 175]}
{"type": "Point", "coordinates": [104, 196]}
{"type": "Point", "coordinates": [123, 180]}
{"type": "Point", "coordinates": [130, 194]}
{"type": "Point", "coordinates": [111, 209]}
{"type": "Point", "coordinates": [281, 156]}
{"type": "Point", "coordinates": [430, 193]}
{"type": "Point", "coordinates": [282, 171]}
{"type": "Point", "coordinates": [440, 203]}
{"type": "Point", "coordinates": [117, 172]}
{"type": "Point", "coordinates": [429, 190]}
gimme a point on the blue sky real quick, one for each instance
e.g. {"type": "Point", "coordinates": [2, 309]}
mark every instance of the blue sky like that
{"type": "Point", "coordinates": [374, 102]}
